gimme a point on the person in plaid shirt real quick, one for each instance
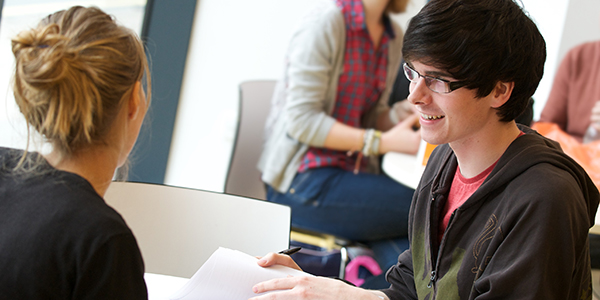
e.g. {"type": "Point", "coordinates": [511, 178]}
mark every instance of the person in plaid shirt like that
{"type": "Point", "coordinates": [322, 152]}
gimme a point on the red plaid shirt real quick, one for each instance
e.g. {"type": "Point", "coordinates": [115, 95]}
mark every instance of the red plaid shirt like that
{"type": "Point", "coordinates": [360, 84]}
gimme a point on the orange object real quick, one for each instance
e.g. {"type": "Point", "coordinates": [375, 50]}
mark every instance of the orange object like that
{"type": "Point", "coordinates": [428, 149]}
{"type": "Point", "coordinates": [586, 155]}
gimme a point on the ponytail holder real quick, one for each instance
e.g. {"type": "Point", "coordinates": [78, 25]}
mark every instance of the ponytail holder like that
{"type": "Point", "coordinates": [43, 46]}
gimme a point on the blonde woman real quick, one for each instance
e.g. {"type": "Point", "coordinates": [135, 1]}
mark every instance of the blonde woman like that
{"type": "Point", "coordinates": [78, 83]}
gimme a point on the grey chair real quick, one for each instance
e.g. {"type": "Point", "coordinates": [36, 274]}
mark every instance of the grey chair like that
{"type": "Point", "coordinates": [243, 177]}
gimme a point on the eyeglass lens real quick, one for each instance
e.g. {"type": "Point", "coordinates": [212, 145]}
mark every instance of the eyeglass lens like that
{"type": "Point", "coordinates": [432, 83]}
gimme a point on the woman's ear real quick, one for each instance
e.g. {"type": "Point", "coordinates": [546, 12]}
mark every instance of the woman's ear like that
{"type": "Point", "coordinates": [135, 100]}
{"type": "Point", "coordinates": [502, 93]}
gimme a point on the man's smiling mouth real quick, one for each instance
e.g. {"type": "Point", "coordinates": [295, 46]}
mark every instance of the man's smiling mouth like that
{"type": "Point", "coordinates": [430, 117]}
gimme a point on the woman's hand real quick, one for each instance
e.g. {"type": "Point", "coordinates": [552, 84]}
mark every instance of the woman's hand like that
{"type": "Point", "coordinates": [402, 110]}
{"type": "Point", "coordinates": [405, 137]}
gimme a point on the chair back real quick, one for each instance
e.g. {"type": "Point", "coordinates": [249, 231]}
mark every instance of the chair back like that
{"type": "Point", "coordinates": [243, 177]}
{"type": "Point", "coordinates": [177, 229]}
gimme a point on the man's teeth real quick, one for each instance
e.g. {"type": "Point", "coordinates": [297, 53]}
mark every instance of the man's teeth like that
{"type": "Point", "coordinates": [428, 117]}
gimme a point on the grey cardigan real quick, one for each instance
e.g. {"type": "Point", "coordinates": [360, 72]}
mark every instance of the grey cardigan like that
{"type": "Point", "coordinates": [301, 113]}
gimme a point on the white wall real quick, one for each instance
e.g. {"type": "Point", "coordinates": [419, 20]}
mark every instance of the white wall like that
{"type": "Point", "coordinates": [583, 24]}
{"type": "Point", "coordinates": [550, 17]}
{"type": "Point", "coordinates": [232, 41]}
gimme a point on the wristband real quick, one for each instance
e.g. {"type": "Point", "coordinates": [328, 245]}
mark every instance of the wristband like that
{"type": "Point", "coordinates": [371, 142]}
{"type": "Point", "coordinates": [368, 143]}
{"type": "Point", "coordinates": [376, 140]}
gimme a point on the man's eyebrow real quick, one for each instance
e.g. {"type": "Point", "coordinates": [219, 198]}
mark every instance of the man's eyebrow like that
{"type": "Point", "coordinates": [438, 74]}
{"type": "Point", "coordinates": [432, 73]}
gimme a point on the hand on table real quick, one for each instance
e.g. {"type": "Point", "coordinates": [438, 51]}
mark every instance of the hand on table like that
{"type": "Point", "coordinates": [305, 287]}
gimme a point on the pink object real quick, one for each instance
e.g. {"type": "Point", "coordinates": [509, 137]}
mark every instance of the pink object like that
{"type": "Point", "coordinates": [364, 261]}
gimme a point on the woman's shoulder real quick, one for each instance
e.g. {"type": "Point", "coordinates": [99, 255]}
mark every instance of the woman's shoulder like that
{"type": "Point", "coordinates": [585, 52]}
{"type": "Point", "coordinates": [61, 207]}
{"type": "Point", "coordinates": [323, 16]}
{"type": "Point", "coordinates": [81, 204]}
{"type": "Point", "coordinates": [66, 199]}
{"type": "Point", "coordinates": [322, 9]}
{"type": "Point", "coordinates": [9, 158]}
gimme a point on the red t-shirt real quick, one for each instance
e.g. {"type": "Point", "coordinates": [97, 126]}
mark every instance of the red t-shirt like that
{"type": "Point", "coordinates": [461, 189]}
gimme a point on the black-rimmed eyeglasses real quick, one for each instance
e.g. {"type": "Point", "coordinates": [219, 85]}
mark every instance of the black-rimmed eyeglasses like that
{"type": "Point", "coordinates": [437, 85]}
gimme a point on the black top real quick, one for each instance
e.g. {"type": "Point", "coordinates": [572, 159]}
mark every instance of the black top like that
{"type": "Point", "coordinates": [59, 239]}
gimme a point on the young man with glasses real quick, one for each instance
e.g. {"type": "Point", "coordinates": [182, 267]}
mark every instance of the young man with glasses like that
{"type": "Point", "coordinates": [500, 212]}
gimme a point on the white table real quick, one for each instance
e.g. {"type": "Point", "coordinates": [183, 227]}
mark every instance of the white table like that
{"type": "Point", "coordinates": [160, 287]}
{"type": "Point", "coordinates": [404, 168]}
{"type": "Point", "coordinates": [596, 228]}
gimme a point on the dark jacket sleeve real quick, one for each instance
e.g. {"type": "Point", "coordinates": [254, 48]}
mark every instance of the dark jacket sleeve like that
{"type": "Point", "coordinates": [401, 279]}
{"type": "Point", "coordinates": [115, 270]}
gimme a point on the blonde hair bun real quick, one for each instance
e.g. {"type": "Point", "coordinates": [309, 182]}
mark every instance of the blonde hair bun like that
{"type": "Point", "coordinates": [73, 72]}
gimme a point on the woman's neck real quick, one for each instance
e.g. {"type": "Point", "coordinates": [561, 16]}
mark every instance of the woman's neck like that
{"type": "Point", "coordinates": [96, 164]}
{"type": "Point", "coordinates": [374, 10]}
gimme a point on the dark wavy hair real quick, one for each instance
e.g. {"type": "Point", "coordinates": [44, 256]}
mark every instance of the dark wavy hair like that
{"type": "Point", "coordinates": [480, 42]}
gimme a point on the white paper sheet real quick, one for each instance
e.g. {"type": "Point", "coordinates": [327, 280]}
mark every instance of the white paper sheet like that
{"type": "Point", "coordinates": [230, 274]}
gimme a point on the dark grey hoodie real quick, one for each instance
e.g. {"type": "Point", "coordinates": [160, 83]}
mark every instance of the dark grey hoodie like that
{"type": "Point", "coordinates": [522, 235]}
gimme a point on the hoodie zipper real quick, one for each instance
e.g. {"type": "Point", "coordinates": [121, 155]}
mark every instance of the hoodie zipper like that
{"type": "Point", "coordinates": [434, 273]}
{"type": "Point", "coordinates": [431, 279]}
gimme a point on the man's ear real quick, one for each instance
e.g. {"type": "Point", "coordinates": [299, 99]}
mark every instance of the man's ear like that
{"type": "Point", "coordinates": [134, 101]}
{"type": "Point", "coordinates": [502, 93]}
